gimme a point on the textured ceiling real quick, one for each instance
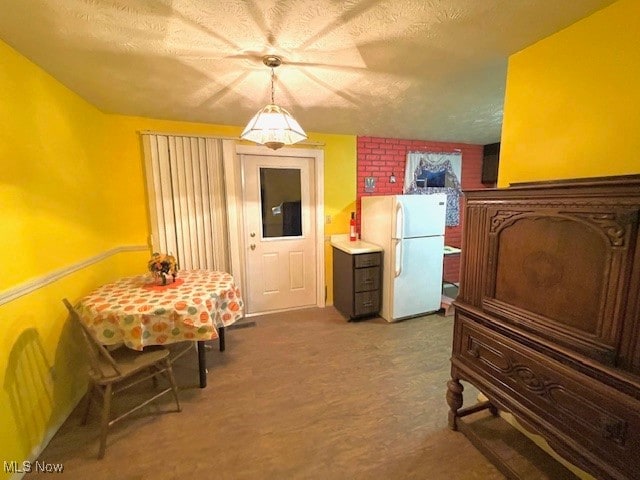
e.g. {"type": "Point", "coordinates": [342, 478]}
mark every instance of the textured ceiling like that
{"type": "Point", "coordinates": [418, 69]}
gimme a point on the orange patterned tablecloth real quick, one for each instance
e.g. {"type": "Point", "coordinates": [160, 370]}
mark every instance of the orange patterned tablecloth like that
{"type": "Point", "coordinates": [137, 313]}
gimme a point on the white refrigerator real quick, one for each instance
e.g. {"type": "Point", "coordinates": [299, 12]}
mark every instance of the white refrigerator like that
{"type": "Point", "coordinates": [410, 229]}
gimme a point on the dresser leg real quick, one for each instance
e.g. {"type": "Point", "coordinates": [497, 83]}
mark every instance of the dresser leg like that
{"type": "Point", "coordinates": [454, 400]}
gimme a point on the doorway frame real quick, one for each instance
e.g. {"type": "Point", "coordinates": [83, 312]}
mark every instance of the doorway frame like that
{"type": "Point", "coordinates": [235, 183]}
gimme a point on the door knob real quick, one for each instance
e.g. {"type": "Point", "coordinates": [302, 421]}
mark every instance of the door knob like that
{"type": "Point", "coordinates": [252, 234]}
{"type": "Point", "coordinates": [252, 246]}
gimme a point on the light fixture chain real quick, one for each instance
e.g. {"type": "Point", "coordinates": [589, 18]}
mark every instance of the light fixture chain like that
{"type": "Point", "coordinates": [273, 79]}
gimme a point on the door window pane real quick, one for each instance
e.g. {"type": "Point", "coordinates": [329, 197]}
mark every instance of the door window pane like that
{"type": "Point", "coordinates": [281, 197]}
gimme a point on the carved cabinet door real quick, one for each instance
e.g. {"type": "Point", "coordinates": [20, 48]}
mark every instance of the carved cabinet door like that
{"type": "Point", "coordinates": [561, 271]}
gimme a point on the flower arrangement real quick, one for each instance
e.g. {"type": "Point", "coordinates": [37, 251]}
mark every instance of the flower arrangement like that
{"type": "Point", "coordinates": [162, 265]}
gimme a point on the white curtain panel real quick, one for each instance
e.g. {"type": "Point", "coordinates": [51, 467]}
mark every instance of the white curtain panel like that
{"type": "Point", "coordinates": [187, 201]}
{"type": "Point", "coordinates": [451, 161]}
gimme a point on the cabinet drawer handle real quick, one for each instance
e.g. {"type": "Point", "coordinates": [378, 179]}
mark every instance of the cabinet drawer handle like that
{"type": "Point", "coordinates": [367, 304]}
{"type": "Point", "coordinates": [368, 280]}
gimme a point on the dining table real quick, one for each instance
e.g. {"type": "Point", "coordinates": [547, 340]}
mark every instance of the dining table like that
{"type": "Point", "coordinates": [140, 311]}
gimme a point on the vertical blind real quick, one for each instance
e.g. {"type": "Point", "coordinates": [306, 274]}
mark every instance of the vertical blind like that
{"type": "Point", "coordinates": [187, 201]}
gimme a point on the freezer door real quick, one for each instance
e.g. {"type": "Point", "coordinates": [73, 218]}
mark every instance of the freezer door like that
{"type": "Point", "coordinates": [420, 215]}
{"type": "Point", "coordinates": [417, 282]}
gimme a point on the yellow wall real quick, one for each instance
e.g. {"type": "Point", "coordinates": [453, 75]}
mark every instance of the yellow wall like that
{"type": "Point", "coordinates": [339, 193]}
{"type": "Point", "coordinates": [72, 187]}
{"type": "Point", "coordinates": [62, 197]}
{"type": "Point", "coordinates": [572, 101]}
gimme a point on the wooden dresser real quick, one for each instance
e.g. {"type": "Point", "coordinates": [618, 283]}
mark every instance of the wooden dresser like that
{"type": "Point", "coordinates": [547, 321]}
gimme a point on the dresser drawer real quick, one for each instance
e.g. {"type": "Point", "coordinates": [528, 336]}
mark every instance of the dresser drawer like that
{"type": "Point", "coordinates": [588, 412]}
{"type": "Point", "coordinates": [367, 260]}
{"type": "Point", "coordinates": [366, 302]}
{"type": "Point", "coordinates": [367, 279]}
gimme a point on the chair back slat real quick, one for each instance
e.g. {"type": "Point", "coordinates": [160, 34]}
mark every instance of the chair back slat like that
{"type": "Point", "coordinates": [96, 352]}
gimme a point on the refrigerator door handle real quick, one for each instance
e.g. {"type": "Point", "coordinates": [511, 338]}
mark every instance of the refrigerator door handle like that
{"type": "Point", "coordinates": [399, 221]}
{"type": "Point", "coordinates": [398, 265]}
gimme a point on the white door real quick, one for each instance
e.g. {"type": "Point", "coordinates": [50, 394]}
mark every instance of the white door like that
{"type": "Point", "coordinates": [280, 232]}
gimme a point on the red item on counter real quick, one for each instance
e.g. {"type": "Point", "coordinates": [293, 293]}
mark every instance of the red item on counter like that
{"type": "Point", "coordinates": [352, 228]}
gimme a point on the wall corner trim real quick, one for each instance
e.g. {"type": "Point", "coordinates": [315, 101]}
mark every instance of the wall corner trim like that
{"type": "Point", "coordinates": [29, 286]}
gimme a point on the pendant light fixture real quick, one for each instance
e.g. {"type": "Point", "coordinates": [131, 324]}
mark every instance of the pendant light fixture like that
{"type": "Point", "coordinates": [273, 126]}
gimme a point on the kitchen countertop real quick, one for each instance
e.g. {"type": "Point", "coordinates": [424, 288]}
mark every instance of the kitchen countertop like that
{"type": "Point", "coordinates": [343, 243]}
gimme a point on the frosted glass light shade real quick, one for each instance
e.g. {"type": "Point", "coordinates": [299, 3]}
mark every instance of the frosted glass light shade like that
{"type": "Point", "coordinates": [274, 127]}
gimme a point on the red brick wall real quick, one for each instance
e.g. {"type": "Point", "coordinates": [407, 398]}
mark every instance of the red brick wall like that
{"type": "Point", "coordinates": [380, 157]}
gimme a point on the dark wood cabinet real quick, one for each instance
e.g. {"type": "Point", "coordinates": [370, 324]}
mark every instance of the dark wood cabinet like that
{"type": "Point", "coordinates": [490, 161]}
{"type": "Point", "coordinates": [547, 318]}
{"type": "Point", "coordinates": [356, 283]}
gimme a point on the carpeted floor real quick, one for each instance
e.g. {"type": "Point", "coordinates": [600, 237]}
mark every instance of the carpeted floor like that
{"type": "Point", "coordinates": [298, 395]}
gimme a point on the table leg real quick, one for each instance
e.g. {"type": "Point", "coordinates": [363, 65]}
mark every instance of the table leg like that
{"type": "Point", "coordinates": [221, 337]}
{"type": "Point", "coordinates": [202, 364]}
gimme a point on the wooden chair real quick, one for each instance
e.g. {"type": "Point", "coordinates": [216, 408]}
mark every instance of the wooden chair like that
{"type": "Point", "coordinates": [111, 372]}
